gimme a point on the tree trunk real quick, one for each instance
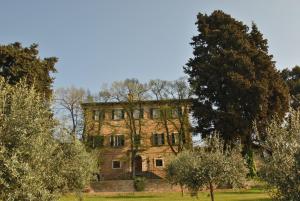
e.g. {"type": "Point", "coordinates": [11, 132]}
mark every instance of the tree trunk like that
{"type": "Point", "coordinates": [181, 187]}
{"type": "Point", "coordinates": [211, 189]}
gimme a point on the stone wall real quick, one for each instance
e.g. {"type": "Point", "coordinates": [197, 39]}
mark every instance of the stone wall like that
{"type": "Point", "coordinates": [152, 185]}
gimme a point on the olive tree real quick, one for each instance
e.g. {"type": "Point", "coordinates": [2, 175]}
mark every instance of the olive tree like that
{"type": "Point", "coordinates": [281, 167]}
{"type": "Point", "coordinates": [208, 166]}
{"type": "Point", "coordinates": [33, 164]}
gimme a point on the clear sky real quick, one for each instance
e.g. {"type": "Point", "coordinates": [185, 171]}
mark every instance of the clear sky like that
{"type": "Point", "coordinates": [100, 41]}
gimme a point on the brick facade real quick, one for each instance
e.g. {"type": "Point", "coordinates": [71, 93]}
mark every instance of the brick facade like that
{"type": "Point", "coordinates": [153, 152]}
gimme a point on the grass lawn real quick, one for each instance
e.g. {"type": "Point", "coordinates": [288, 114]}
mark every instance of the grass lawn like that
{"type": "Point", "coordinates": [248, 195]}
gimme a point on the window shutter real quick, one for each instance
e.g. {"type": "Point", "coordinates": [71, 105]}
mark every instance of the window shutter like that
{"type": "Point", "coordinates": [122, 140]}
{"type": "Point", "coordinates": [141, 113]}
{"type": "Point", "coordinates": [151, 113]}
{"type": "Point", "coordinates": [123, 114]}
{"type": "Point", "coordinates": [173, 138]}
{"type": "Point", "coordinates": [111, 140]}
{"type": "Point", "coordinates": [112, 114]}
{"type": "Point", "coordinates": [162, 138]}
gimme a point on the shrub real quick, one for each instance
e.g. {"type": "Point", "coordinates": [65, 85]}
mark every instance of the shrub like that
{"type": "Point", "coordinates": [139, 183]}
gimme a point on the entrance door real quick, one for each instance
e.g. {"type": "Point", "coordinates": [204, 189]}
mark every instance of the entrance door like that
{"type": "Point", "coordinates": [138, 164]}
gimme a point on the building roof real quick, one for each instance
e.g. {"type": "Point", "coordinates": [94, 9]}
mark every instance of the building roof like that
{"type": "Point", "coordinates": [144, 102]}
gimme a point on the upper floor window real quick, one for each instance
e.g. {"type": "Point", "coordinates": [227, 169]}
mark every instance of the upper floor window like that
{"type": "Point", "coordinates": [95, 141]}
{"type": "Point", "coordinates": [117, 140]}
{"type": "Point", "coordinates": [138, 114]}
{"type": "Point", "coordinates": [176, 112]}
{"type": "Point", "coordinates": [98, 115]}
{"type": "Point", "coordinates": [172, 138]}
{"type": "Point", "coordinates": [155, 113]}
{"type": "Point", "coordinates": [158, 139]}
{"type": "Point", "coordinates": [118, 114]}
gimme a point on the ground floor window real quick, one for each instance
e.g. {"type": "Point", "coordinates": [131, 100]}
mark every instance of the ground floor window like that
{"type": "Point", "coordinates": [116, 164]}
{"type": "Point", "coordinates": [159, 162]}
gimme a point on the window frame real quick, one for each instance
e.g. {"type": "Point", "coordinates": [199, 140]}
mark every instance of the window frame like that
{"type": "Point", "coordinates": [117, 138]}
{"type": "Point", "coordinates": [155, 139]}
{"type": "Point", "coordinates": [119, 117]}
{"type": "Point", "coordinates": [158, 115]}
{"type": "Point", "coordinates": [112, 164]}
{"type": "Point", "coordinates": [162, 161]}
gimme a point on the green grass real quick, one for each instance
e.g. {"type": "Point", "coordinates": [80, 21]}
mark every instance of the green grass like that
{"type": "Point", "coordinates": [243, 195]}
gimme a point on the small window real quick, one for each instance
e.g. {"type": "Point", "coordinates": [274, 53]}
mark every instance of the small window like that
{"type": "Point", "coordinates": [158, 139]}
{"type": "Point", "coordinates": [117, 140]}
{"type": "Point", "coordinates": [116, 164]}
{"type": "Point", "coordinates": [118, 114]}
{"type": "Point", "coordinates": [138, 114]}
{"type": "Point", "coordinates": [155, 113]}
{"type": "Point", "coordinates": [98, 115]}
{"type": "Point", "coordinates": [159, 162]}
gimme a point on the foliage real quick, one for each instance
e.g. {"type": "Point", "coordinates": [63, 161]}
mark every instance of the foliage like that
{"type": "Point", "coordinates": [281, 166]}
{"type": "Point", "coordinates": [17, 62]}
{"type": "Point", "coordinates": [139, 183]}
{"type": "Point", "coordinates": [207, 166]}
{"type": "Point", "coordinates": [292, 79]}
{"type": "Point", "coordinates": [33, 164]}
{"type": "Point", "coordinates": [233, 78]}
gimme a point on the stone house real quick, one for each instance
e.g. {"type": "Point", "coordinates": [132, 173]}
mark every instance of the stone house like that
{"type": "Point", "coordinates": [139, 136]}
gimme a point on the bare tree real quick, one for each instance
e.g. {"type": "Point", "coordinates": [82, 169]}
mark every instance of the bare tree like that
{"type": "Point", "coordinates": [67, 106]}
{"type": "Point", "coordinates": [130, 94]}
{"type": "Point", "coordinates": [175, 112]}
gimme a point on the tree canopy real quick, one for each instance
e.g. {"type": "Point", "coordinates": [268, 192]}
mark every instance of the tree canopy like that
{"type": "Point", "coordinates": [34, 165]}
{"type": "Point", "coordinates": [233, 78]}
{"type": "Point", "coordinates": [17, 62]}
{"type": "Point", "coordinates": [292, 79]}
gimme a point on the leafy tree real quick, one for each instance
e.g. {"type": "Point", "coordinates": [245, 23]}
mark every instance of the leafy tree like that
{"type": "Point", "coordinates": [281, 167]}
{"type": "Point", "coordinates": [33, 164]}
{"type": "Point", "coordinates": [17, 62]}
{"type": "Point", "coordinates": [292, 79]}
{"type": "Point", "coordinates": [234, 79]}
{"type": "Point", "coordinates": [207, 166]}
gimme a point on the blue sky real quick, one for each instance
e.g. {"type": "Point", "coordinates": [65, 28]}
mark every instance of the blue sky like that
{"type": "Point", "coordinates": [100, 41]}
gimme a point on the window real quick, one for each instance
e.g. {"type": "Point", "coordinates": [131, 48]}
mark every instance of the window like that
{"type": "Point", "coordinates": [118, 114]}
{"type": "Point", "coordinates": [172, 138]}
{"type": "Point", "coordinates": [155, 113]}
{"type": "Point", "coordinates": [117, 140]}
{"type": "Point", "coordinates": [159, 162]}
{"type": "Point", "coordinates": [158, 139]}
{"type": "Point", "coordinates": [175, 113]}
{"type": "Point", "coordinates": [116, 164]}
{"type": "Point", "coordinates": [98, 115]}
{"type": "Point", "coordinates": [95, 141]}
{"type": "Point", "coordinates": [138, 114]}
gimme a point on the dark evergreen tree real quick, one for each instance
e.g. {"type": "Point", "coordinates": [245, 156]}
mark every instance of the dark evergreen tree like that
{"type": "Point", "coordinates": [234, 79]}
{"type": "Point", "coordinates": [17, 62]}
{"type": "Point", "coordinates": [292, 79]}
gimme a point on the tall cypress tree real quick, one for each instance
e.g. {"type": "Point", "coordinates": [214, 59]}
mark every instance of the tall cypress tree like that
{"type": "Point", "coordinates": [17, 62]}
{"type": "Point", "coordinates": [234, 79]}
